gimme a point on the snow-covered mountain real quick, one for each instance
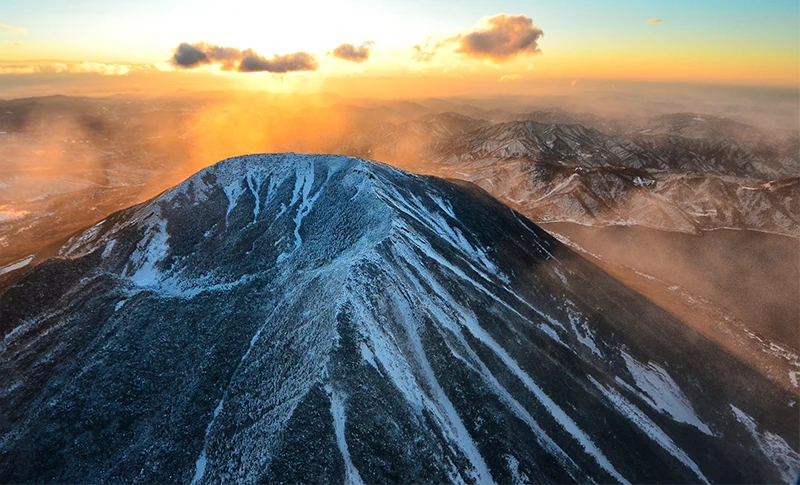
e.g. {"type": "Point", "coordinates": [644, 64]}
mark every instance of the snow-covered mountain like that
{"type": "Point", "coordinates": [714, 129]}
{"type": "Point", "coordinates": [293, 318]}
{"type": "Point", "coordinates": [577, 145]}
{"type": "Point", "coordinates": [665, 181]}
{"type": "Point", "coordinates": [682, 172]}
{"type": "Point", "coordinates": [672, 201]}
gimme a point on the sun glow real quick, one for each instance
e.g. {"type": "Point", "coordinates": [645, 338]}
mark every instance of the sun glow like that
{"type": "Point", "coordinates": [82, 48]}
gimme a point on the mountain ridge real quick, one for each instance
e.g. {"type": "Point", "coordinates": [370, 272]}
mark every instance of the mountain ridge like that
{"type": "Point", "coordinates": [291, 317]}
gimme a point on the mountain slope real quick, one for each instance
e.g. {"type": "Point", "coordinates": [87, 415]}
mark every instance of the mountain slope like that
{"type": "Point", "coordinates": [665, 181]}
{"type": "Point", "coordinates": [578, 145]}
{"type": "Point", "coordinates": [688, 203]}
{"type": "Point", "coordinates": [290, 318]}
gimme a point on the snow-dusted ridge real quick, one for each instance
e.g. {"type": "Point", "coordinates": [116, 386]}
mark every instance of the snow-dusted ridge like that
{"type": "Point", "coordinates": [295, 317]}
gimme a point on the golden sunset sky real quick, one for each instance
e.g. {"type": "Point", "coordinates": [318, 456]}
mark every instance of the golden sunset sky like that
{"type": "Point", "coordinates": [385, 48]}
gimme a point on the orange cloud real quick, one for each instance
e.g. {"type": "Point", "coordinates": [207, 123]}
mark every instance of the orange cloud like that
{"type": "Point", "coordinates": [502, 38]}
{"type": "Point", "coordinates": [654, 21]}
{"type": "Point", "coordinates": [19, 69]}
{"type": "Point", "coordinates": [349, 52]}
{"type": "Point", "coordinates": [425, 52]}
{"type": "Point", "coordinates": [87, 67]}
{"type": "Point", "coordinates": [507, 36]}
{"type": "Point", "coordinates": [101, 68]}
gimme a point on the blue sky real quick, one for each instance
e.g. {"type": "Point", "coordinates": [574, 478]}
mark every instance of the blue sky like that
{"type": "Point", "coordinates": [757, 35]}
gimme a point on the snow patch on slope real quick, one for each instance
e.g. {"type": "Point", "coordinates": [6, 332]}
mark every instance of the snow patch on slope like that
{"type": "Point", "coordinates": [337, 400]}
{"type": "Point", "coordinates": [517, 477]}
{"type": "Point", "coordinates": [304, 182]}
{"type": "Point", "coordinates": [232, 191]}
{"type": "Point", "coordinates": [786, 460]}
{"type": "Point", "coordinates": [16, 265]}
{"type": "Point", "coordinates": [663, 393]}
{"type": "Point", "coordinates": [582, 331]}
{"type": "Point", "coordinates": [447, 312]}
{"type": "Point", "coordinates": [640, 419]}
{"type": "Point", "coordinates": [415, 208]}
{"type": "Point", "coordinates": [152, 249]}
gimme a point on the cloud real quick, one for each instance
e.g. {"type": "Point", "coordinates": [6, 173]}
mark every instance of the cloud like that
{"type": "Point", "coordinates": [424, 52]}
{"type": "Point", "coordinates": [502, 37]}
{"type": "Point", "coordinates": [19, 69]}
{"type": "Point", "coordinates": [226, 57]}
{"type": "Point", "coordinates": [101, 68]}
{"type": "Point", "coordinates": [14, 44]}
{"type": "Point", "coordinates": [20, 30]}
{"type": "Point", "coordinates": [506, 36]}
{"type": "Point", "coordinates": [654, 21]}
{"type": "Point", "coordinates": [87, 67]}
{"type": "Point", "coordinates": [164, 66]}
{"type": "Point", "coordinates": [349, 52]}
{"type": "Point", "coordinates": [190, 56]}
{"type": "Point", "coordinates": [299, 61]}
{"type": "Point", "coordinates": [511, 77]}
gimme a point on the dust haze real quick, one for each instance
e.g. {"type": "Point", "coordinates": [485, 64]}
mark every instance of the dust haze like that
{"type": "Point", "coordinates": [68, 162]}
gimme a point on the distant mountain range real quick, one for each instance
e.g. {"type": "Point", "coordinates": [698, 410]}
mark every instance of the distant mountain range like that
{"type": "Point", "coordinates": [573, 144]}
{"type": "Point", "coordinates": [66, 162]}
{"type": "Point", "coordinates": [682, 173]}
{"type": "Point", "coordinates": [294, 318]}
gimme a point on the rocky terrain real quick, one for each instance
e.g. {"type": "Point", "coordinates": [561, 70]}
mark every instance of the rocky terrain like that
{"type": "Point", "coordinates": [294, 318]}
{"type": "Point", "coordinates": [683, 173]}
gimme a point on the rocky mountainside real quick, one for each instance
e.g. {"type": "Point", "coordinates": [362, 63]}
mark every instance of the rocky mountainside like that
{"type": "Point", "coordinates": [666, 181]}
{"type": "Point", "coordinates": [577, 145]}
{"type": "Point", "coordinates": [290, 318]}
{"type": "Point", "coordinates": [681, 172]}
{"type": "Point", "coordinates": [684, 125]}
{"type": "Point", "coordinates": [672, 201]}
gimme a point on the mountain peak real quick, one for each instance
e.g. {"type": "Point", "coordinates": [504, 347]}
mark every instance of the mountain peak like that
{"type": "Point", "coordinates": [277, 204]}
{"type": "Point", "coordinates": [296, 318]}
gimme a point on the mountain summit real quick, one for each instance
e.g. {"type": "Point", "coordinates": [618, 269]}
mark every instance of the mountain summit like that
{"type": "Point", "coordinates": [295, 318]}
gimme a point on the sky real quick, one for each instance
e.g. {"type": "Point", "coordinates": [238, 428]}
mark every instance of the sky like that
{"type": "Point", "coordinates": [461, 45]}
